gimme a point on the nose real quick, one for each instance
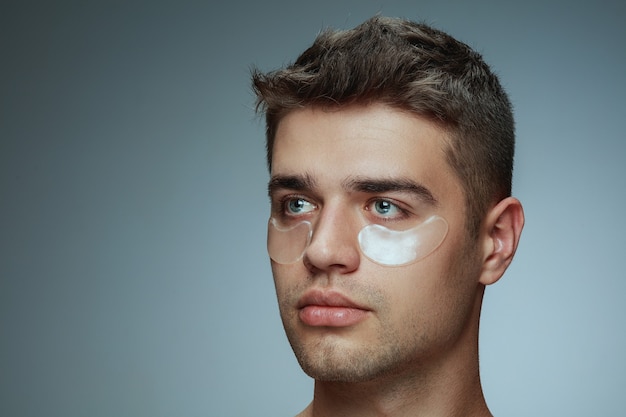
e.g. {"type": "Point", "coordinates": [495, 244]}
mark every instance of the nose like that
{"type": "Point", "coordinates": [334, 244]}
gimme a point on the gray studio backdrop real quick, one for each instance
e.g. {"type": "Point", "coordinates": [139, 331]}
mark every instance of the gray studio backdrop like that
{"type": "Point", "coordinates": [133, 274]}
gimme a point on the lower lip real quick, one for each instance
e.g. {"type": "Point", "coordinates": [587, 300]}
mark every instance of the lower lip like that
{"type": "Point", "coordinates": [329, 316]}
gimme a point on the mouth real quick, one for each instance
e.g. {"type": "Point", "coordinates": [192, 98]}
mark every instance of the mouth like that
{"type": "Point", "coordinates": [319, 308]}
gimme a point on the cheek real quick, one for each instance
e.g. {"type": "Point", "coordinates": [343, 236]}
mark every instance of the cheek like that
{"type": "Point", "coordinates": [458, 287]}
{"type": "Point", "coordinates": [431, 289]}
{"type": "Point", "coordinates": [280, 274]}
{"type": "Point", "coordinates": [287, 283]}
{"type": "Point", "coordinates": [409, 292]}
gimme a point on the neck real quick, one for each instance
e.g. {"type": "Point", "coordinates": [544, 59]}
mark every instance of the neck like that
{"type": "Point", "coordinates": [445, 385]}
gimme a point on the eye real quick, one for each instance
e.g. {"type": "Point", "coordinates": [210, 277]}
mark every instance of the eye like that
{"type": "Point", "coordinates": [298, 206]}
{"type": "Point", "coordinates": [386, 208]}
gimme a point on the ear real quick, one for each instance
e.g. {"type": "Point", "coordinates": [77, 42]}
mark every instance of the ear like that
{"type": "Point", "coordinates": [500, 235]}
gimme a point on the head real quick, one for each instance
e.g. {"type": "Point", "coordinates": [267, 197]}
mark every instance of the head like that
{"type": "Point", "coordinates": [389, 124]}
{"type": "Point", "coordinates": [415, 68]}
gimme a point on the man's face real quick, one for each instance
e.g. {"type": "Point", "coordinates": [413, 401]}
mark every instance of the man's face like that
{"type": "Point", "coordinates": [346, 317]}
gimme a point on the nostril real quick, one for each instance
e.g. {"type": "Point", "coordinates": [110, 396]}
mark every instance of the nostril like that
{"type": "Point", "coordinates": [334, 249]}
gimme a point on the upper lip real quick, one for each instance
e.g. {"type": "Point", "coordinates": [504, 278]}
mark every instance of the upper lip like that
{"type": "Point", "coordinates": [328, 298]}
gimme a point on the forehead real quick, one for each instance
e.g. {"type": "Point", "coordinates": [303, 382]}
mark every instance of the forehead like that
{"type": "Point", "coordinates": [374, 141]}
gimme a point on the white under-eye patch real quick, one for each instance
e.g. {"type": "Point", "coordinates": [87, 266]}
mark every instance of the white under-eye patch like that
{"type": "Point", "coordinates": [387, 247]}
{"type": "Point", "coordinates": [396, 248]}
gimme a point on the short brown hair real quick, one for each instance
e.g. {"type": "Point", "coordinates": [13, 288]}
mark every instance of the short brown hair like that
{"type": "Point", "coordinates": [414, 67]}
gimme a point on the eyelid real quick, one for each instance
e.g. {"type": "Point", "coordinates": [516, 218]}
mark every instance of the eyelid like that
{"type": "Point", "coordinates": [279, 205]}
{"type": "Point", "coordinates": [403, 211]}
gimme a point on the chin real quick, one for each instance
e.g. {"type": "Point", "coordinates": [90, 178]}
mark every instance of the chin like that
{"type": "Point", "coordinates": [336, 362]}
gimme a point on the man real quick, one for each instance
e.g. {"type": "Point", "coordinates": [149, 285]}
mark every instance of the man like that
{"type": "Point", "coordinates": [390, 149]}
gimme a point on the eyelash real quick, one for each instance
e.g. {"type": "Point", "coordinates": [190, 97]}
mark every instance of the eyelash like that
{"type": "Point", "coordinates": [402, 213]}
{"type": "Point", "coordinates": [283, 204]}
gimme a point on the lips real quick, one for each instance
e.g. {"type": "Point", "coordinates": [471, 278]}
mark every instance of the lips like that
{"type": "Point", "coordinates": [330, 309]}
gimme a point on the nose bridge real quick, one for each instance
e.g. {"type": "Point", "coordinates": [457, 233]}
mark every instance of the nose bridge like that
{"type": "Point", "coordinates": [334, 241]}
{"type": "Point", "coordinates": [335, 222]}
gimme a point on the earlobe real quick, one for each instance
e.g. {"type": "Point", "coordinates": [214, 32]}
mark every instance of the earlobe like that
{"type": "Point", "coordinates": [503, 228]}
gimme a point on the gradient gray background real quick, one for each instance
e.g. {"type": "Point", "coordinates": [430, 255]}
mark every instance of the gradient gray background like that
{"type": "Point", "coordinates": [133, 273]}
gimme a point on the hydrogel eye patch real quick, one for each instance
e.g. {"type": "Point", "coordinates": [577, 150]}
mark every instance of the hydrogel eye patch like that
{"type": "Point", "coordinates": [384, 246]}
{"type": "Point", "coordinates": [286, 245]}
{"type": "Point", "coordinates": [396, 248]}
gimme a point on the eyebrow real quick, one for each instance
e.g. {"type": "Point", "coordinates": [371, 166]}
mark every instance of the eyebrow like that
{"type": "Point", "coordinates": [290, 182]}
{"type": "Point", "coordinates": [356, 184]}
{"type": "Point", "coordinates": [376, 185]}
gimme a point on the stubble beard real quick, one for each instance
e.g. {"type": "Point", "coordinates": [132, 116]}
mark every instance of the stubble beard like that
{"type": "Point", "coordinates": [335, 356]}
{"type": "Point", "coordinates": [334, 359]}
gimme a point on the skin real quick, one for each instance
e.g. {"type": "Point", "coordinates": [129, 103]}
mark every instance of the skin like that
{"type": "Point", "coordinates": [408, 343]}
